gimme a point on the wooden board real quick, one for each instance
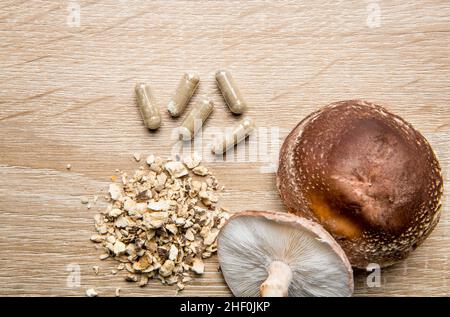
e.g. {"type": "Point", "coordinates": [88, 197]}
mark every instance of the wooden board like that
{"type": "Point", "coordinates": [66, 97]}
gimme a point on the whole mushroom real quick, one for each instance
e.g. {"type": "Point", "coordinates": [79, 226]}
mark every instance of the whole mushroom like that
{"type": "Point", "coordinates": [367, 176]}
{"type": "Point", "coordinates": [274, 254]}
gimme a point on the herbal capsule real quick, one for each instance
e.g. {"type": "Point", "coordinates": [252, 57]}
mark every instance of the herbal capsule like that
{"type": "Point", "coordinates": [239, 133]}
{"type": "Point", "coordinates": [148, 107]}
{"type": "Point", "coordinates": [230, 92]}
{"type": "Point", "coordinates": [195, 119]}
{"type": "Point", "coordinates": [186, 88]}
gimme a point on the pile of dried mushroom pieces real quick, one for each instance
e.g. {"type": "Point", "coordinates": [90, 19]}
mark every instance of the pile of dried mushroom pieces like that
{"type": "Point", "coordinates": [162, 221]}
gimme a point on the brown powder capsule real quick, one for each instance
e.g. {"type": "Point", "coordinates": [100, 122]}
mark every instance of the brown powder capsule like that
{"type": "Point", "coordinates": [147, 106]}
{"type": "Point", "coordinates": [230, 92]}
{"type": "Point", "coordinates": [186, 88]}
{"type": "Point", "coordinates": [195, 119]}
{"type": "Point", "coordinates": [239, 133]}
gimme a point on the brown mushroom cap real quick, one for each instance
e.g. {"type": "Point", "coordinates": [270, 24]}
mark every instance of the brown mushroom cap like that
{"type": "Point", "coordinates": [308, 260]}
{"type": "Point", "coordinates": [367, 176]}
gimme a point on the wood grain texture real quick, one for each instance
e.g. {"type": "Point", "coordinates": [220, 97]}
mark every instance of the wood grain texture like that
{"type": "Point", "coordinates": [66, 96]}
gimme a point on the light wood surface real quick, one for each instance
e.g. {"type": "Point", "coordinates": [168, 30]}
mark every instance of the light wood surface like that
{"type": "Point", "coordinates": [66, 97]}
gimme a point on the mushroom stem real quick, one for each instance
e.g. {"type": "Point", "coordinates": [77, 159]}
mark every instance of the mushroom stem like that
{"type": "Point", "coordinates": [277, 283]}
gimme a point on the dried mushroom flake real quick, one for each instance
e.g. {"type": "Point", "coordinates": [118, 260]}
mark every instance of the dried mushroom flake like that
{"type": "Point", "coordinates": [160, 223]}
{"type": "Point", "coordinates": [91, 292]}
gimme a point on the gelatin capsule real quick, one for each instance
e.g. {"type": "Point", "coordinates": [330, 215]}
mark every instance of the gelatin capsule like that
{"type": "Point", "coordinates": [195, 119]}
{"type": "Point", "coordinates": [230, 92]}
{"type": "Point", "coordinates": [186, 88]}
{"type": "Point", "coordinates": [147, 106]}
{"type": "Point", "coordinates": [239, 132]}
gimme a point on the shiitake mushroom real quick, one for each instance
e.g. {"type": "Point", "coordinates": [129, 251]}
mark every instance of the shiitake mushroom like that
{"type": "Point", "coordinates": [367, 176]}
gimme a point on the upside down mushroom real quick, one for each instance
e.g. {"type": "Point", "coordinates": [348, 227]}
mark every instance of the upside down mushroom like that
{"type": "Point", "coordinates": [274, 254]}
{"type": "Point", "coordinates": [367, 176]}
